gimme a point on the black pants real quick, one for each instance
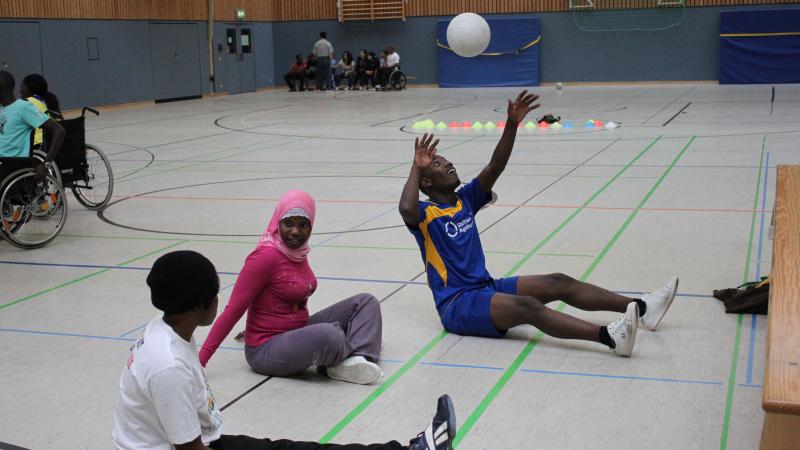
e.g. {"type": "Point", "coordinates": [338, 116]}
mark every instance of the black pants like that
{"type": "Point", "coordinates": [323, 75]}
{"type": "Point", "coordinates": [229, 442]}
{"type": "Point", "coordinates": [291, 78]}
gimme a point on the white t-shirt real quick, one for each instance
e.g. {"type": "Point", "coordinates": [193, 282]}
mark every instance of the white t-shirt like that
{"type": "Point", "coordinates": [164, 398]}
{"type": "Point", "coordinates": [392, 60]}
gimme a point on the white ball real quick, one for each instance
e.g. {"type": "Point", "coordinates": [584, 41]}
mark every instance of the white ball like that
{"type": "Point", "coordinates": [468, 35]}
{"type": "Point", "coordinates": [559, 86]}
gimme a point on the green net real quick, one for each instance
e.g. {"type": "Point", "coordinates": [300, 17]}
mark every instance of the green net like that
{"type": "Point", "coordinates": [627, 15]}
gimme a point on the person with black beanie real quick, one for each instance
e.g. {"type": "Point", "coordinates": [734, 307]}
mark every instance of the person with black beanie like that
{"type": "Point", "coordinates": [164, 398]}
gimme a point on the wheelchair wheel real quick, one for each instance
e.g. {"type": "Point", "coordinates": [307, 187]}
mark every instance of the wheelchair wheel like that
{"type": "Point", "coordinates": [94, 191]}
{"type": "Point", "coordinates": [398, 80]}
{"type": "Point", "coordinates": [33, 213]}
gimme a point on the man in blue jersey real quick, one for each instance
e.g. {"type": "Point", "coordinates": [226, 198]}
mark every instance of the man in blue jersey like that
{"type": "Point", "coordinates": [469, 301]}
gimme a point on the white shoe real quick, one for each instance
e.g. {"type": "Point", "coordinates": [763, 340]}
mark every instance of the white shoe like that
{"type": "Point", "coordinates": [355, 369]}
{"type": "Point", "coordinates": [658, 302]}
{"type": "Point", "coordinates": [623, 331]}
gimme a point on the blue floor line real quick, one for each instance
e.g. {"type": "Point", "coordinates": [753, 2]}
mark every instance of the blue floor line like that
{"type": "Point", "coordinates": [133, 330]}
{"type": "Point", "coordinates": [751, 349]}
{"type": "Point", "coordinates": [753, 320]}
{"type": "Point", "coordinates": [623, 377]}
{"type": "Point", "coordinates": [462, 366]}
{"type": "Point", "coordinates": [145, 324]}
{"type": "Point", "coordinates": [751, 385]}
{"type": "Point", "coordinates": [357, 280]}
{"type": "Point", "coordinates": [425, 363]}
{"type": "Point", "coordinates": [87, 336]}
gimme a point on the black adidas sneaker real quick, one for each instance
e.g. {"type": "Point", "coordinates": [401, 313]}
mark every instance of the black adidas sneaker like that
{"type": "Point", "coordinates": [440, 433]}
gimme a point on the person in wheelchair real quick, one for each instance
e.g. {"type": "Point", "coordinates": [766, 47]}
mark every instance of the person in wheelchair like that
{"type": "Point", "coordinates": [392, 64]}
{"type": "Point", "coordinates": [34, 89]}
{"type": "Point", "coordinates": [17, 119]}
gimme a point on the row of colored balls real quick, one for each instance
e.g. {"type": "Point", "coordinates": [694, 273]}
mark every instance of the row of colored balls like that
{"type": "Point", "coordinates": [429, 124]}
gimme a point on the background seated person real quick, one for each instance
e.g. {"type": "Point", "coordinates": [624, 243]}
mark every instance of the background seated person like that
{"type": "Point", "coordinates": [34, 89]}
{"type": "Point", "coordinates": [392, 61]}
{"type": "Point", "coordinates": [295, 74]}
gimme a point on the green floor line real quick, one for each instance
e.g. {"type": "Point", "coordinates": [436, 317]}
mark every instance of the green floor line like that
{"type": "Point", "coordinates": [575, 255]}
{"type": "Point", "coordinates": [517, 363]}
{"type": "Point", "coordinates": [91, 275]}
{"type": "Point", "coordinates": [580, 208]}
{"type": "Point", "coordinates": [342, 424]}
{"type": "Point", "coordinates": [726, 418]}
{"type": "Point", "coordinates": [363, 405]}
{"type": "Point", "coordinates": [438, 151]}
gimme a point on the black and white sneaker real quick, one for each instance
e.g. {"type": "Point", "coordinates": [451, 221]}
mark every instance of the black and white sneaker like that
{"type": "Point", "coordinates": [440, 433]}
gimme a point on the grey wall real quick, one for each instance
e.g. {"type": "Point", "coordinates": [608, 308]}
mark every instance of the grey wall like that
{"type": "Point", "coordinates": [689, 51]}
{"type": "Point", "coordinates": [124, 71]}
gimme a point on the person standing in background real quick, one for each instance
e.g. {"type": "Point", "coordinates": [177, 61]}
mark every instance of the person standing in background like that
{"type": "Point", "coordinates": [323, 50]}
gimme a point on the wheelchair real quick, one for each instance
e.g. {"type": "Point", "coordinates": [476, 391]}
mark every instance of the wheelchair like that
{"type": "Point", "coordinates": [397, 79]}
{"type": "Point", "coordinates": [34, 211]}
{"type": "Point", "coordinates": [82, 167]}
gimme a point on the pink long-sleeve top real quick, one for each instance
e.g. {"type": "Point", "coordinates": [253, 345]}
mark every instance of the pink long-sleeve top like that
{"type": "Point", "coordinates": [273, 290]}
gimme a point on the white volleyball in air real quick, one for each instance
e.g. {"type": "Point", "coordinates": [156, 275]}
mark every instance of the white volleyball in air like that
{"type": "Point", "coordinates": [468, 35]}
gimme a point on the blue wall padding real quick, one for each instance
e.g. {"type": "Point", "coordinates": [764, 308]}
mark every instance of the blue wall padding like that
{"type": "Point", "coordinates": [510, 69]}
{"type": "Point", "coordinates": [773, 58]}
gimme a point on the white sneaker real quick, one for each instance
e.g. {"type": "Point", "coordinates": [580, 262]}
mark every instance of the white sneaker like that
{"type": "Point", "coordinates": [658, 302]}
{"type": "Point", "coordinates": [623, 331]}
{"type": "Point", "coordinates": [355, 369]}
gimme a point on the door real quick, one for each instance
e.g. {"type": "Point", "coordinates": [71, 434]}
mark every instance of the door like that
{"type": "Point", "coordinates": [176, 61]}
{"type": "Point", "coordinates": [22, 52]}
{"type": "Point", "coordinates": [240, 67]}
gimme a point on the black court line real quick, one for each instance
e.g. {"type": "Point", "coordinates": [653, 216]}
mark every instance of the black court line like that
{"type": "Point", "coordinates": [676, 114]}
{"type": "Point", "coordinates": [245, 393]}
{"type": "Point", "coordinates": [186, 116]}
{"type": "Point", "coordinates": [419, 114]}
{"type": "Point", "coordinates": [772, 101]}
{"type": "Point", "coordinates": [7, 446]}
{"type": "Point", "coordinates": [102, 216]}
{"type": "Point", "coordinates": [669, 104]}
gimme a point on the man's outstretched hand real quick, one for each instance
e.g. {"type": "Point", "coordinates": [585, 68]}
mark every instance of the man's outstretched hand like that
{"type": "Point", "coordinates": [519, 108]}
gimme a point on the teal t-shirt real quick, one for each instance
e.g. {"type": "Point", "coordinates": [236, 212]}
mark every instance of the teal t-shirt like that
{"type": "Point", "coordinates": [16, 122]}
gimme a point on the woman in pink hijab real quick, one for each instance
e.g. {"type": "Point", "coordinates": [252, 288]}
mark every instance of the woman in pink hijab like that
{"type": "Point", "coordinates": [343, 340]}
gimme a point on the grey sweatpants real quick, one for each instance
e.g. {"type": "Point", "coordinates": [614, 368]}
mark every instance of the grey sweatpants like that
{"type": "Point", "coordinates": [352, 327]}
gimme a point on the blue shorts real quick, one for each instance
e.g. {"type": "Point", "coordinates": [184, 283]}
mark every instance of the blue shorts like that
{"type": "Point", "coordinates": [470, 313]}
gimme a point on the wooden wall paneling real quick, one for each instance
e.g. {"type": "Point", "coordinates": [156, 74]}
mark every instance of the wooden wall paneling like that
{"type": "Point", "coordinates": [288, 10]}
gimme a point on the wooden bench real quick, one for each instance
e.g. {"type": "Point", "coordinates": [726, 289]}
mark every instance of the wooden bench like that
{"type": "Point", "coordinates": [781, 400]}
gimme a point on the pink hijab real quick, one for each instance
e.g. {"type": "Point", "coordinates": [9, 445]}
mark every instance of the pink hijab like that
{"type": "Point", "coordinates": [292, 204]}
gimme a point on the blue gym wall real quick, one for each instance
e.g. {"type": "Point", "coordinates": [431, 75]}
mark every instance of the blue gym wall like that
{"type": "Point", "coordinates": [124, 72]}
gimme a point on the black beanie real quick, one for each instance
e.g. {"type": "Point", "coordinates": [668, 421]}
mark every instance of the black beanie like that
{"type": "Point", "coordinates": [183, 280]}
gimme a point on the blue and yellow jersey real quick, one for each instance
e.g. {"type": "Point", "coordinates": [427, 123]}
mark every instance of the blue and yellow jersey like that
{"type": "Point", "coordinates": [451, 247]}
{"type": "Point", "coordinates": [41, 106]}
